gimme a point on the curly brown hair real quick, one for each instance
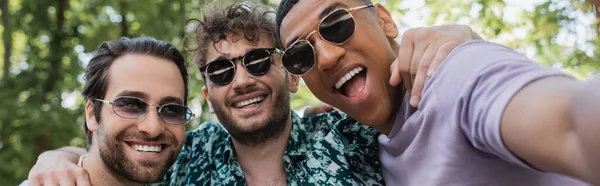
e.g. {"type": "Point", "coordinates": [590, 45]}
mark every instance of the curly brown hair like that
{"type": "Point", "coordinates": [248, 21]}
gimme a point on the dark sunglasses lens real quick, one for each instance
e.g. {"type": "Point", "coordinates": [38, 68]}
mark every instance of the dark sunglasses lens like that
{"type": "Point", "coordinates": [131, 108]}
{"type": "Point", "coordinates": [338, 27]}
{"type": "Point", "coordinates": [258, 62]}
{"type": "Point", "coordinates": [175, 114]}
{"type": "Point", "coordinates": [299, 58]}
{"type": "Point", "coordinates": [220, 72]}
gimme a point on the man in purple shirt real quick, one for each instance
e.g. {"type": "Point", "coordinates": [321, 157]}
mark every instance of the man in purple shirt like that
{"type": "Point", "coordinates": [488, 116]}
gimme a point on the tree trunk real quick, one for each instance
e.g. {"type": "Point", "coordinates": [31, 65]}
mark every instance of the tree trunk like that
{"type": "Point", "coordinates": [596, 6]}
{"type": "Point", "coordinates": [124, 23]}
{"type": "Point", "coordinates": [55, 71]}
{"type": "Point", "coordinates": [7, 38]}
{"type": "Point", "coordinates": [56, 49]}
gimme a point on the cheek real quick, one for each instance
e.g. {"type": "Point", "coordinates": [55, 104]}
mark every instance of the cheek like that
{"type": "Point", "coordinates": [178, 132]}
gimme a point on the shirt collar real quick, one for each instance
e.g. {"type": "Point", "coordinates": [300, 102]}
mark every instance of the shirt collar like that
{"type": "Point", "coordinates": [297, 143]}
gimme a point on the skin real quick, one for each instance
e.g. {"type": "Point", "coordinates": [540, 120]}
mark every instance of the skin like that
{"type": "Point", "coordinates": [372, 46]}
{"type": "Point", "coordinates": [261, 162]}
{"type": "Point", "coordinates": [425, 48]}
{"type": "Point", "coordinates": [138, 76]}
{"type": "Point", "coordinates": [548, 123]}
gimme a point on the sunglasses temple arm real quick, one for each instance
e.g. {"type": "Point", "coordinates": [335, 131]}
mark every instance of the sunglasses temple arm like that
{"type": "Point", "coordinates": [104, 101]}
{"type": "Point", "coordinates": [361, 7]}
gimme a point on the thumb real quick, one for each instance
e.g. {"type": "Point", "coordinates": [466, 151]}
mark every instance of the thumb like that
{"type": "Point", "coordinates": [395, 78]}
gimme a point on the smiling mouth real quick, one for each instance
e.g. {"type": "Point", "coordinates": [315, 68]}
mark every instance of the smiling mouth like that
{"type": "Point", "coordinates": [249, 102]}
{"type": "Point", "coordinates": [147, 149]}
{"type": "Point", "coordinates": [352, 83]}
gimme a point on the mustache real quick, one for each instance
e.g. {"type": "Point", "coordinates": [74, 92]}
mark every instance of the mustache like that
{"type": "Point", "coordinates": [140, 136]}
{"type": "Point", "coordinates": [247, 90]}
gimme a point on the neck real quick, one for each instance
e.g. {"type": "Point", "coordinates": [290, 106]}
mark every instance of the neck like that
{"type": "Point", "coordinates": [400, 90]}
{"type": "Point", "coordinates": [100, 174]}
{"type": "Point", "coordinates": [263, 163]}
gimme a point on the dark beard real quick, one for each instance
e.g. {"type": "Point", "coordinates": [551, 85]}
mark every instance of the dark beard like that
{"type": "Point", "coordinates": [113, 156]}
{"type": "Point", "coordinates": [275, 123]}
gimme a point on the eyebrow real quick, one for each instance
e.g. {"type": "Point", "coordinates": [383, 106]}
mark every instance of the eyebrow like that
{"type": "Point", "coordinates": [325, 12]}
{"type": "Point", "coordinates": [170, 99]}
{"type": "Point", "coordinates": [131, 93]}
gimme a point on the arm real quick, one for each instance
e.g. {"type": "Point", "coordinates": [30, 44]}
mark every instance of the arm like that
{"type": "Point", "coordinates": [554, 125]}
{"type": "Point", "coordinates": [318, 109]}
{"type": "Point", "coordinates": [59, 167]}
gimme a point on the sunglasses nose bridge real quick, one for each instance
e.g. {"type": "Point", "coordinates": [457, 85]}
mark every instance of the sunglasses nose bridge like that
{"type": "Point", "coordinates": [151, 123]}
{"type": "Point", "coordinates": [327, 54]}
{"type": "Point", "coordinates": [242, 78]}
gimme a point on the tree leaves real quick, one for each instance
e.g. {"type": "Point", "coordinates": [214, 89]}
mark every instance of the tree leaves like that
{"type": "Point", "coordinates": [40, 103]}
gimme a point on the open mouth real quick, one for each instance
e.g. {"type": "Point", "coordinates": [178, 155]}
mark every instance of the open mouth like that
{"type": "Point", "coordinates": [353, 83]}
{"type": "Point", "coordinates": [249, 102]}
{"type": "Point", "coordinates": [147, 149]}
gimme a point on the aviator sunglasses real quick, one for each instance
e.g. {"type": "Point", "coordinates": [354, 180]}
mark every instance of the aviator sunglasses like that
{"type": "Point", "coordinates": [335, 28]}
{"type": "Point", "coordinates": [134, 108]}
{"type": "Point", "coordinates": [256, 61]}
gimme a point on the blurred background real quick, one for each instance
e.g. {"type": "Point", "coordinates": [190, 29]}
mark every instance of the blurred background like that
{"type": "Point", "coordinates": [47, 43]}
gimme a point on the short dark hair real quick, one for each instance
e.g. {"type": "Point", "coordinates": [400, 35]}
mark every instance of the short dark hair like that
{"type": "Point", "coordinates": [284, 8]}
{"type": "Point", "coordinates": [238, 20]}
{"type": "Point", "coordinates": [96, 74]}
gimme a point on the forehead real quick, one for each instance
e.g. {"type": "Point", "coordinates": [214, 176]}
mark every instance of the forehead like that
{"type": "Point", "coordinates": [305, 14]}
{"type": "Point", "coordinates": [234, 47]}
{"type": "Point", "coordinates": [154, 76]}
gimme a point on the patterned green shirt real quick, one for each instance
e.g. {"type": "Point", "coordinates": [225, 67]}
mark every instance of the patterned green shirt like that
{"type": "Point", "coordinates": [325, 149]}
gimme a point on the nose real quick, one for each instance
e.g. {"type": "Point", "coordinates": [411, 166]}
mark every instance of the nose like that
{"type": "Point", "coordinates": [151, 124]}
{"type": "Point", "coordinates": [242, 80]}
{"type": "Point", "coordinates": [327, 54]}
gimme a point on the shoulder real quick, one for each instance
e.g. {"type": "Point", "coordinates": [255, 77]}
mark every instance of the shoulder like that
{"type": "Point", "coordinates": [195, 161]}
{"type": "Point", "coordinates": [339, 123]}
{"type": "Point", "coordinates": [478, 68]}
{"type": "Point", "coordinates": [322, 121]}
{"type": "Point", "coordinates": [207, 132]}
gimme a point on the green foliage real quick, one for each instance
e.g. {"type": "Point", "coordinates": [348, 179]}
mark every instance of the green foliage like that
{"type": "Point", "coordinates": [550, 33]}
{"type": "Point", "coordinates": [52, 40]}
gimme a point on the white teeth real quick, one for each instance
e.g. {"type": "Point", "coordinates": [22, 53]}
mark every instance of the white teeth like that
{"type": "Point", "coordinates": [347, 77]}
{"type": "Point", "coordinates": [146, 148]}
{"type": "Point", "coordinates": [249, 102]}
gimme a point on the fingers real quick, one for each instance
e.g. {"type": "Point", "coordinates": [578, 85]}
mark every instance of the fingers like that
{"type": "Point", "coordinates": [49, 182]}
{"type": "Point", "coordinates": [66, 180]}
{"type": "Point", "coordinates": [441, 54]}
{"type": "Point", "coordinates": [400, 68]}
{"type": "Point", "coordinates": [83, 180]}
{"type": "Point", "coordinates": [318, 109]}
{"type": "Point", "coordinates": [56, 168]}
{"type": "Point", "coordinates": [34, 180]}
{"type": "Point", "coordinates": [421, 71]}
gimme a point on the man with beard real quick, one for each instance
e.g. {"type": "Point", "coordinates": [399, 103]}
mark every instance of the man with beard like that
{"type": "Point", "coordinates": [261, 141]}
{"type": "Point", "coordinates": [135, 115]}
{"type": "Point", "coordinates": [488, 115]}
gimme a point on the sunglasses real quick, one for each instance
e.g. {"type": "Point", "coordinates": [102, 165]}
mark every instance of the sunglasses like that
{"type": "Point", "coordinates": [335, 28]}
{"type": "Point", "coordinates": [257, 62]}
{"type": "Point", "coordinates": [134, 108]}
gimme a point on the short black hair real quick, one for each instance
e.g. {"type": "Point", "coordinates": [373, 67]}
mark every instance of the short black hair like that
{"type": "Point", "coordinates": [284, 7]}
{"type": "Point", "coordinates": [96, 74]}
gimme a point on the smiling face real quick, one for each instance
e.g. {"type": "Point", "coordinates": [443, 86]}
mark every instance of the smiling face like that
{"type": "Point", "coordinates": [352, 76]}
{"type": "Point", "coordinates": [253, 109]}
{"type": "Point", "coordinates": [140, 150]}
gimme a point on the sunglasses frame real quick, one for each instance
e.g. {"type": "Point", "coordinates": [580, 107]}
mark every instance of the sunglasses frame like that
{"type": "Point", "coordinates": [148, 105]}
{"type": "Point", "coordinates": [348, 10]}
{"type": "Point", "coordinates": [271, 51]}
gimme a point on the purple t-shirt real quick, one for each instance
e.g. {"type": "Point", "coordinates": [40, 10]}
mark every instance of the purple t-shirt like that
{"type": "Point", "coordinates": [454, 136]}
